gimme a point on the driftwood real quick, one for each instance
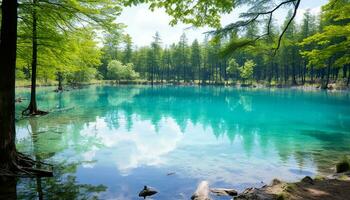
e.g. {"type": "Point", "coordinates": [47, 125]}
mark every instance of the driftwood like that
{"type": "Point", "coordinates": [202, 191]}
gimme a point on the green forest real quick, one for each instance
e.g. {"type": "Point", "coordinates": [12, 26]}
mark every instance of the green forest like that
{"type": "Point", "coordinates": [65, 51]}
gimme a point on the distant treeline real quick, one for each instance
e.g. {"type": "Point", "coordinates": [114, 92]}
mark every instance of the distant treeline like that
{"type": "Point", "coordinates": [314, 51]}
{"type": "Point", "coordinates": [309, 53]}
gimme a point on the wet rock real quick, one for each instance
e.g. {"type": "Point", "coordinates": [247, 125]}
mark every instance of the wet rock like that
{"type": "Point", "coordinates": [254, 194]}
{"type": "Point", "coordinates": [307, 179]}
{"type": "Point", "coordinates": [147, 191]}
{"type": "Point", "coordinates": [202, 191]}
{"type": "Point", "coordinates": [224, 192]}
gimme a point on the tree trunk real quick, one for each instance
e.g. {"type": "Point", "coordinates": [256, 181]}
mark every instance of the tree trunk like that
{"type": "Point", "coordinates": [7, 83]}
{"type": "Point", "coordinates": [11, 161]}
{"type": "Point", "coordinates": [294, 81]}
{"type": "Point", "coordinates": [60, 79]}
{"type": "Point", "coordinates": [32, 107]}
{"type": "Point", "coordinates": [8, 188]}
{"type": "Point", "coordinates": [348, 82]}
{"type": "Point", "coordinates": [312, 73]}
{"type": "Point", "coordinates": [325, 85]}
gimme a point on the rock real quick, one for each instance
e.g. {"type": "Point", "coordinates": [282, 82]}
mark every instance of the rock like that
{"type": "Point", "coordinates": [343, 166]}
{"type": "Point", "coordinates": [276, 182]}
{"type": "Point", "coordinates": [254, 194]}
{"type": "Point", "coordinates": [307, 179]}
{"type": "Point", "coordinates": [147, 192]}
{"type": "Point", "coordinates": [202, 191]}
{"type": "Point", "coordinates": [224, 192]}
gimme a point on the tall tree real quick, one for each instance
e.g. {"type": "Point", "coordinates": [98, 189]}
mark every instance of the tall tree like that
{"type": "Point", "coordinates": [65, 14]}
{"type": "Point", "coordinates": [12, 162]}
{"type": "Point", "coordinates": [332, 43]}
{"type": "Point", "coordinates": [196, 59]}
{"type": "Point", "coordinates": [8, 156]}
{"type": "Point", "coordinates": [128, 49]}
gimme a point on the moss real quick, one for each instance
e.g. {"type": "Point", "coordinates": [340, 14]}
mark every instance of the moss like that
{"type": "Point", "coordinates": [343, 165]}
{"type": "Point", "coordinates": [282, 196]}
{"type": "Point", "coordinates": [343, 177]}
{"type": "Point", "coordinates": [290, 187]}
{"type": "Point", "coordinates": [319, 178]}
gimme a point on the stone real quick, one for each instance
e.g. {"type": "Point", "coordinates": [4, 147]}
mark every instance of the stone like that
{"type": "Point", "coordinates": [202, 191]}
{"type": "Point", "coordinates": [147, 191]}
{"type": "Point", "coordinates": [224, 192]}
{"type": "Point", "coordinates": [307, 179]}
{"type": "Point", "coordinates": [276, 182]}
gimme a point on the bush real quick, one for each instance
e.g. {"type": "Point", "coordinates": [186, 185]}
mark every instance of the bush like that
{"type": "Point", "coordinates": [343, 165]}
{"type": "Point", "coordinates": [118, 71]}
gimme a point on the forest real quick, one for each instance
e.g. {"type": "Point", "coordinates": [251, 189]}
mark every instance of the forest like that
{"type": "Point", "coordinates": [71, 43]}
{"type": "Point", "coordinates": [313, 51]}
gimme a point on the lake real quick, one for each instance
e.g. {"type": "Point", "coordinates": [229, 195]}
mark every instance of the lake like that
{"type": "Point", "coordinates": [108, 142]}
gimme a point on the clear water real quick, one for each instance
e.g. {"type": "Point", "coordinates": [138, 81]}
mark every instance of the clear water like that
{"type": "Point", "coordinates": [108, 142]}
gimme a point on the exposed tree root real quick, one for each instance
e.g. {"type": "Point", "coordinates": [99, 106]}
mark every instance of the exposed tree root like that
{"type": "Point", "coordinates": [24, 166]}
{"type": "Point", "coordinates": [28, 112]}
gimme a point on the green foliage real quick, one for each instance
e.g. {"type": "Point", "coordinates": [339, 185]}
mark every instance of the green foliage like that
{"type": "Point", "coordinates": [246, 71]}
{"type": "Point", "coordinates": [198, 12]}
{"type": "Point", "coordinates": [333, 42]}
{"type": "Point", "coordinates": [118, 71]}
{"type": "Point", "coordinates": [233, 66]}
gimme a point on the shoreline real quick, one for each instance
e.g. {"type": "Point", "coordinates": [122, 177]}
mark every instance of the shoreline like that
{"type": "Point", "coordinates": [332, 187]}
{"type": "Point", "coordinates": [304, 87]}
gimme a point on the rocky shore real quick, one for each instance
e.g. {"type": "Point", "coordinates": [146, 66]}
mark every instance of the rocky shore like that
{"type": "Point", "coordinates": [334, 187]}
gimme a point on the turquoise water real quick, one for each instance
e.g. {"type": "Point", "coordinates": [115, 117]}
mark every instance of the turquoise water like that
{"type": "Point", "coordinates": [108, 142]}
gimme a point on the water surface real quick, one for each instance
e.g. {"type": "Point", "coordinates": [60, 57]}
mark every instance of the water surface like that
{"type": "Point", "coordinates": [108, 142]}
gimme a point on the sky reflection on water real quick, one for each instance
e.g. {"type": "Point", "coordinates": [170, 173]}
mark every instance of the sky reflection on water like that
{"type": "Point", "coordinates": [114, 140]}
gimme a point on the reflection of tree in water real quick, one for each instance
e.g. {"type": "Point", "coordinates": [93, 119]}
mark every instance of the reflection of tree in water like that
{"type": "Point", "coordinates": [227, 112]}
{"type": "Point", "coordinates": [244, 113]}
{"type": "Point", "coordinates": [64, 184]}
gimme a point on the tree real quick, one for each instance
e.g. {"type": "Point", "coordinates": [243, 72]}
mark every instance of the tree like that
{"type": "Point", "coordinates": [110, 49]}
{"type": "Point", "coordinates": [246, 71]}
{"type": "Point", "coordinates": [333, 41]}
{"type": "Point", "coordinates": [118, 71]}
{"type": "Point", "coordinates": [65, 14]}
{"type": "Point", "coordinates": [196, 59]}
{"type": "Point", "coordinates": [8, 156]}
{"type": "Point", "coordinates": [128, 49]}
{"type": "Point", "coordinates": [12, 162]}
{"type": "Point", "coordinates": [233, 67]}
{"type": "Point", "coordinates": [183, 55]}
{"type": "Point", "coordinates": [154, 57]}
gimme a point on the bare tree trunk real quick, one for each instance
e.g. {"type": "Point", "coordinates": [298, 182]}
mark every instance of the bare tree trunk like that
{"type": "Point", "coordinates": [32, 107]}
{"type": "Point", "coordinates": [325, 85]}
{"type": "Point", "coordinates": [348, 82]}
{"type": "Point", "coordinates": [60, 79]}
{"type": "Point", "coordinates": [312, 73]}
{"type": "Point", "coordinates": [7, 83]}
